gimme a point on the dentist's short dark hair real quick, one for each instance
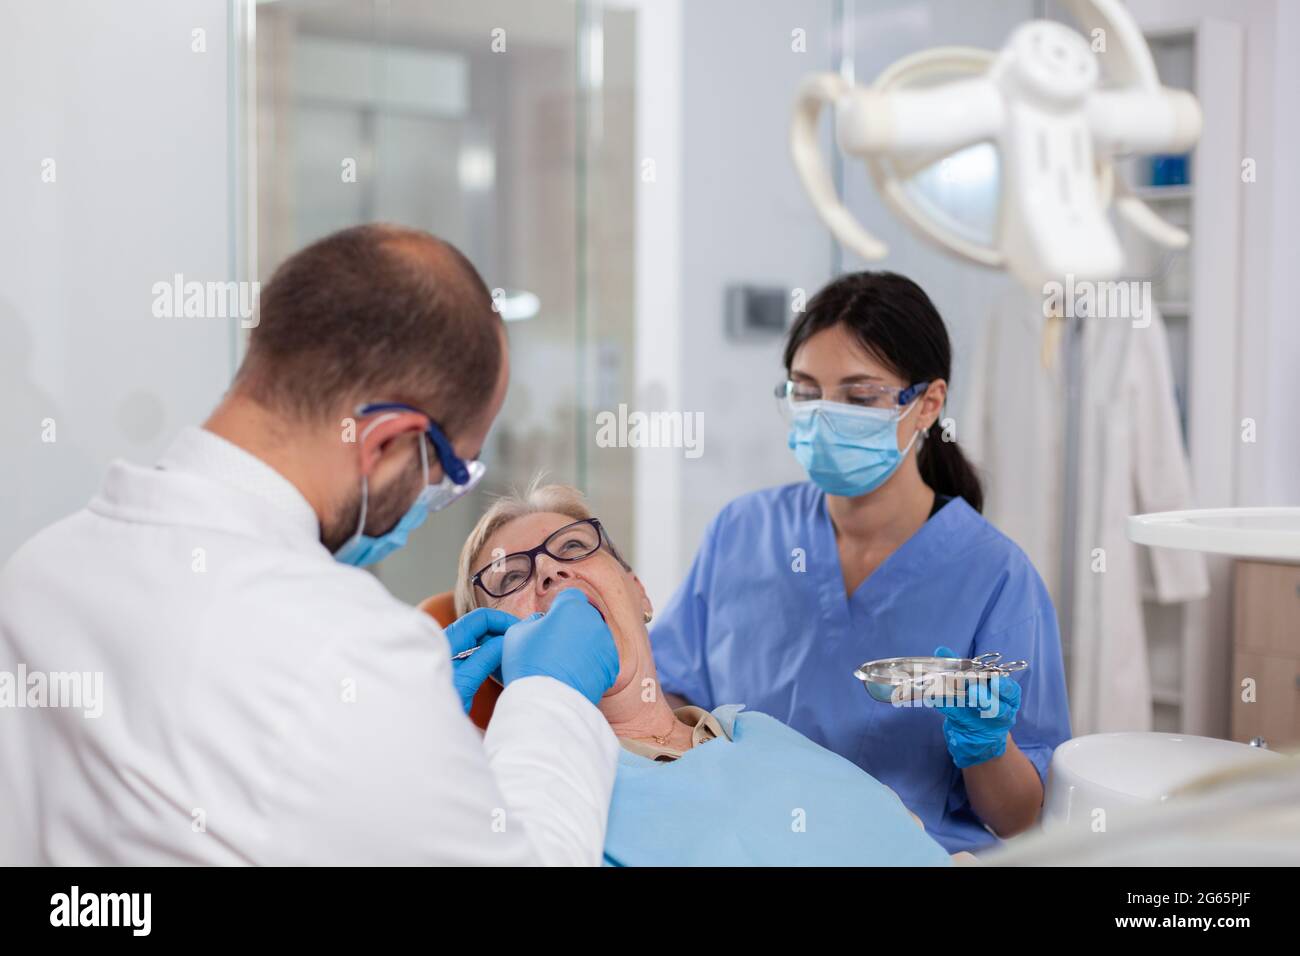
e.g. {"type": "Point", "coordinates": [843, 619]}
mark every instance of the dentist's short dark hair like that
{"type": "Point", "coordinates": [375, 313]}
{"type": "Point", "coordinates": [894, 320]}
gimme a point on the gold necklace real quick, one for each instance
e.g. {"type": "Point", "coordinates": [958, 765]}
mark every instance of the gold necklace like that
{"type": "Point", "coordinates": [663, 741]}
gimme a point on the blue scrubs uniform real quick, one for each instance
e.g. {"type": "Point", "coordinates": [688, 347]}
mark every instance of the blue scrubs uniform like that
{"type": "Point", "coordinates": [762, 620]}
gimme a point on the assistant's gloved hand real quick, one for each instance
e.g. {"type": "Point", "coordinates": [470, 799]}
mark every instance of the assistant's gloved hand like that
{"type": "Point", "coordinates": [978, 731]}
{"type": "Point", "coordinates": [484, 627]}
{"type": "Point", "coordinates": [570, 643]}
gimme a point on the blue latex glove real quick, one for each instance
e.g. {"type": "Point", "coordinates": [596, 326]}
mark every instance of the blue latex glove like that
{"type": "Point", "coordinates": [570, 643]}
{"type": "Point", "coordinates": [484, 627]}
{"type": "Point", "coordinates": [978, 731]}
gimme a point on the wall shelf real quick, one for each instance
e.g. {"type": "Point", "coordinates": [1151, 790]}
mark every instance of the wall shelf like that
{"type": "Point", "coordinates": [1164, 193]}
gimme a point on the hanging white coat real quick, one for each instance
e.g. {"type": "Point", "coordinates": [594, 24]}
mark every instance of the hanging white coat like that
{"type": "Point", "coordinates": [1131, 459]}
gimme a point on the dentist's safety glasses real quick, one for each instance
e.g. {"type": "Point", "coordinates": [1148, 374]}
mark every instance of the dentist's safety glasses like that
{"type": "Point", "coordinates": [447, 491]}
{"type": "Point", "coordinates": [798, 400]}
{"type": "Point", "coordinates": [460, 476]}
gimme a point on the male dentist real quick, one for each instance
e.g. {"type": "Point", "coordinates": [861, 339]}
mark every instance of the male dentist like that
{"type": "Point", "coordinates": [264, 700]}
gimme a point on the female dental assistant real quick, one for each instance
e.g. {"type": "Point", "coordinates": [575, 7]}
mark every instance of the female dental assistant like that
{"type": "Point", "coordinates": [883, 553]}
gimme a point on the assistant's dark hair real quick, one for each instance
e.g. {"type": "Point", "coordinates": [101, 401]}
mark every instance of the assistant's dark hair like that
{"type": "Point", "coordinates": [895, 321]}
{"type": "Point", "coordinates": [375, 313]}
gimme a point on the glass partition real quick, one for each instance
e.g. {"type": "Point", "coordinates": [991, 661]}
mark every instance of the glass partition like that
{"type": "Point", "coordinates": [504, 127]}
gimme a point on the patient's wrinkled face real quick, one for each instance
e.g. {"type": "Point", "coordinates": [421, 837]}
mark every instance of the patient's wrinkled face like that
{"type": "Point", "coordinates": [613, 591]}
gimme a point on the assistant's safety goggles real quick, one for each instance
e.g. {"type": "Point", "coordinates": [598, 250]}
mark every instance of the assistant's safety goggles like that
{"type": "Point", "coordinates": [869, 400]}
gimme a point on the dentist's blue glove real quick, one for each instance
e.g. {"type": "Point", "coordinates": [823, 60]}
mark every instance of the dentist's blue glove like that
{"type": "Point", "coordinates": [485, 628]}
{"type": "Point", "coordinates": [978, 731]}
{"type": "Point", "coordinates": [571, 643]}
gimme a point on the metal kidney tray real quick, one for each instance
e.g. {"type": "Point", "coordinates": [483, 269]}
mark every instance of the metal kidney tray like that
{"type": "Point", "coordinates": [901, 678]}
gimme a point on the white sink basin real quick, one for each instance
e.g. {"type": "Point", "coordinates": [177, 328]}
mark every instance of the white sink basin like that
{"type": "Point", "coordinates": [1122, 772]}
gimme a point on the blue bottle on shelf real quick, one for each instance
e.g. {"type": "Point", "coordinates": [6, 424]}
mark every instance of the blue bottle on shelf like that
{"type": "Point", "coordinates": [1169, 170]}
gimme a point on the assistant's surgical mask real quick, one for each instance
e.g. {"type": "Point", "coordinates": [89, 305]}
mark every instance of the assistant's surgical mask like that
{"type": "Point", "coordinates": [362, 550]}
{"type": "Point", "coordinates": [847, 451]}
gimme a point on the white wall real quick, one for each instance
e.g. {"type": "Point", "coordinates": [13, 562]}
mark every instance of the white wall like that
{"type": "Point", "coordinates": [745, 218]}
{"type": "Point", "coordinates": [659, 212]}
{"type": "Point", "coordinates": [1270, 472]}
{"type": "Point", "coordinates": [136, 124]}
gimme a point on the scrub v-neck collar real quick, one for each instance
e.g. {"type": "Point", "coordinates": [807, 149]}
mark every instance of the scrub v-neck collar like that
{"type": "Point", "coordinates": [933, 539]}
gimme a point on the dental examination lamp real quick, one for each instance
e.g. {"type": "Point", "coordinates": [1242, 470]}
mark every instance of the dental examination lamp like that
{"type": "Point", "coordinates": [1056, 128]}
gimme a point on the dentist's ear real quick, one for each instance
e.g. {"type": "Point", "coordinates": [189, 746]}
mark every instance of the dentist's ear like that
{"type": "Point", "coordinates": [377, 435]}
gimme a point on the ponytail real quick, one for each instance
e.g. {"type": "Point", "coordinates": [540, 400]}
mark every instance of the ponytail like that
{"type": "Point", "coordinates": [947, 471]}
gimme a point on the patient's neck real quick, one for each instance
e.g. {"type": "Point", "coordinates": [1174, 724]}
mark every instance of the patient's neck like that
{"type": "Point", "coordinates": [631, 715]}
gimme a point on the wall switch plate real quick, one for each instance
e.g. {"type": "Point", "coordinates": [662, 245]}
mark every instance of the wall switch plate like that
{"type": "Point", "coordinates": [756, 312]}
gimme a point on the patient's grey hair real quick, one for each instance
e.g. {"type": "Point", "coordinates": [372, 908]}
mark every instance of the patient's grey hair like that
{"type": "Point", "coordinates": [536, 499]}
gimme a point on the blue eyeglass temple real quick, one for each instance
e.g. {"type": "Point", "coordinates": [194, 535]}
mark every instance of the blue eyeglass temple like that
{"type": "Point", "coordinates": [455, 468]}
{"type": "Point", "coordinates": [906, 395]}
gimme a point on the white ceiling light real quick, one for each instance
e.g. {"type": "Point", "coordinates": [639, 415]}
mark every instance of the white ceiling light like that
{"type": "Point", "coordinates": [515, 305]}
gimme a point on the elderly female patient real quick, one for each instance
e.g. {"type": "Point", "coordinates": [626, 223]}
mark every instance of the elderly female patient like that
{"type": "Point", "coordinates": [728, 787]}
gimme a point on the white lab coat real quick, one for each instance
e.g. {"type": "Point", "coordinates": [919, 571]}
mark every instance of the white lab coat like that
{"type": "Point", "coordinates": [1132, 461]}
{"type": "Point", "coordinates": [263, 703]}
